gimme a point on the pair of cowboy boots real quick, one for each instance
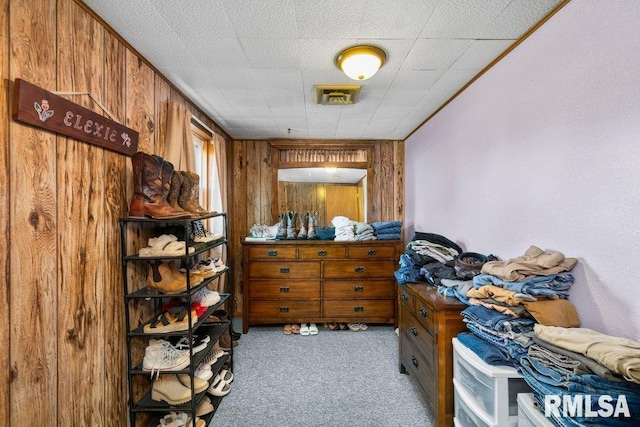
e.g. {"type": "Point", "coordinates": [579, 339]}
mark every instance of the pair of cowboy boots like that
{"type": "Point", "coordinates": [160, 192]}
{"type": "Point", "coordinates": [308, 224]}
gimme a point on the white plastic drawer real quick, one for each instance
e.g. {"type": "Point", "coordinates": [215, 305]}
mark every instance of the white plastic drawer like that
{"type": "Point", "coordinates": [528, 413]}
{"type": "Point", "coordinates": [464, 415]}
{"type": "Point", "coordinates": [494, 388]}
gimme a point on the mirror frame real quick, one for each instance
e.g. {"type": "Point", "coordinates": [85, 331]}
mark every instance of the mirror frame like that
{"type": "Point", "coordinates": [336, 147]}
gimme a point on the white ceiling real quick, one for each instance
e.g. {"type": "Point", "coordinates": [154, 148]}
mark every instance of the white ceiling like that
{"type": "Point", "coordinates": [323, 175]}
{"type": "Point", "coordinates": [251, 64]}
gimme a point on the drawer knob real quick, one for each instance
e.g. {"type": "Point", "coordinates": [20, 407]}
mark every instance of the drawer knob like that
{"type": "Point", "coordinates": [272, 252]}
{"type": "Point", "coordinates": [284, 269]}
{"type": "Point", "coordinates": [322, 253]}
{"type": "Point", "coordinates": [359, 269]}
{"type": "Point", "coordinates": [405, 297]}
{"type": "Point", "coordinates": [423, 312]}
{"type": "Point", "coordinates": [284, 289]}
{"type": "Point", "coordinates": [414, 331]}
{"type": "Point", "coordinates": [414, 361]}
{"type": "Point", "coordinates": [284, 309]}
{"type": "Point", "coordinates": [358, 289]}
{"type": "Point", "coordinates": [358, 308]}
{"type": "Point", "coordinates": [371, 252]}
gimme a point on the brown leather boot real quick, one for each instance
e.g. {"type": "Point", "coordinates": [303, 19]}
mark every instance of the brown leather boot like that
{"type": "Point", "coordinates": [189, 198]}
{"type": "Point", "coordinates": [149, 197]}
{"type": "Point", "coordinates": [174, 192]}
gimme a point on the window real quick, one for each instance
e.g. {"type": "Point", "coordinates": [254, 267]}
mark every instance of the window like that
{"type": "Point", "coordinates": [206, 168]}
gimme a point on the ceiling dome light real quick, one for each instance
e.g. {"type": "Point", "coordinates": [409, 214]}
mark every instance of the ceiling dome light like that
{"type": "Point", "coordinates": [361, 62]}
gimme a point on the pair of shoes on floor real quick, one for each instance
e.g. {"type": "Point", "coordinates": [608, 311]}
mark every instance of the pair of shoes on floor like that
{"type": "Point", "coordinates": [220, 385]}
{"type": "Point", "coordinates": [308, 329]}
{"type": "Point", "coordinates": [355, 327]}
{"type": "Point", "coordinates": [289, 329]}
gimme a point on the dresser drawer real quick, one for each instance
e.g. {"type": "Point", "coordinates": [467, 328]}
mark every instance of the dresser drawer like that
{"type": "Point", "coordinates": [358, 289]}
{"type": "Point", "coordinates": [358, 309]}
{"type": "Point", "coordinates": [284, 270]}
{"type": "Point", "coordinates": [284, 289]}
{"type": "Point", "coordinates": [353, 269]}
{"type": "Point", "coordinates": [284, 309]}
{"type": "Point", "coordinates": [321, 252]}
{"type": "Point", "coordinates": [259, 252]}
{"type": "Point", "coordinates": [366, 252]}
{"type": "Point", "coordinates": [418, 367]}
{"type": "Point", "coordinates": [425, 315]}
{"type": "Point", "coordinates": [406, 298]}
{"type": "Point", "coordinates": [419, 337]}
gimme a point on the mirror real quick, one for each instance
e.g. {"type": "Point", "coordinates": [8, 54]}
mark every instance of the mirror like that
{"type": "Point", "coordinates": [331, 191]}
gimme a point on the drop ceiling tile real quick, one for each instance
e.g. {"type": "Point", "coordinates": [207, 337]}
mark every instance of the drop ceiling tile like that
{"type": "Point", "coordinates": [223, 52]}
{"type": "Point", "coordinates": [462, 18]}
{"type": "Point", "coordinates": [481, 52]}
{"type": "Point", "coordinates": [273, 19]}
{"type": "Point", "coordinates": [234, 78]}
{"type": "Point", "coordinates": [244, 98]}
{"type": "Point", "coordinates": [326, 19]}
{"type": "Point", "coordinates": [428, 54]}
{"type": "Point", "coordinates": [282, 78]}
{"type": "Point", "coordinates": [518, 16]}
{"type": "Point", "coordinates": [395, 19]}
{"type": "Point", "coordinates": [255, 112]}
{"type": "Point", "coordinates": [321, 53]}
{"type": "Point", "coordinates": [276, 97]}
{"type": "Point", "coordinates": [408, 79]}
{"type": "Point", "coordinates": [284, 113]}
{"type": "Point", "coordinates": [272, 53]}
{"type": "Point", "coordinates": [189, 22]}
{"type": "Point", "coordinates": [400, 98]}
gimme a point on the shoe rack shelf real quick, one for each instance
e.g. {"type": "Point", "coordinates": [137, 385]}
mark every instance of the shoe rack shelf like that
{"type": "Point", "coordinates": [136, 294]}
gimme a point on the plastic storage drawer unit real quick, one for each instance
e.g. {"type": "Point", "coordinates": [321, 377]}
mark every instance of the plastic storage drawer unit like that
{"type": "Point", "coordinates": [490, 391]}
{"type": "Point", "coordinates": [528, 413]}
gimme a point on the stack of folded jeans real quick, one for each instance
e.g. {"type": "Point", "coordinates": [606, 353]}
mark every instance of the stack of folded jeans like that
{"type": "Point", "coordinates": [387, 230]}
{"type": "Point", "coordinates": [552, 286]}
{"type": "Point", "coordinates": [505, 338]}
{"type": "Point", "coordinates": [408, 271]}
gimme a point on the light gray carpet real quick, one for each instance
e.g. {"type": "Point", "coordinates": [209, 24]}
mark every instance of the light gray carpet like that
{"type": "Point", "coordinates": [336, 378]}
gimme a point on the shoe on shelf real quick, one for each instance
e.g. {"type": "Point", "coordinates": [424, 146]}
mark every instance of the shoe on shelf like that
{"type": "Point", "coordinates": [174, 419]}
{"type": "Point", "coordinates": [211, 264]}
{"type": "Point", "coordinates": [313, 329]}
{"type": "Point", "coordinates": [219, 388]}
{"type": "Point", "coordinates": [162, 278]}
{"type": "Point", "coordinates": [175, 319]}
{"type": "Point", "coordinates": [197, 344]}
{"type": "Point", "coordinates": [203, 235]}
{"type": "Point", "coordinates": [168, 388]}
{"type": "Point", "coordinates": [236, 335]}
{"type": "Point", "coordinates": [161, 355]}
{"type": "Point", "coordinates": [304, 329]}
{"type": "Point", "coordinates": [206, 297]}
{"type": "Point", "coordinates": [204, 407]}
{"type": "Point", "coordinates": [213, 356]}
{"type": "Point", "coordinates": [203, 372]}
{"type": "Point", "coordinates": [224, 375]}
{"type": "Point", "coordinates": [199, 385]}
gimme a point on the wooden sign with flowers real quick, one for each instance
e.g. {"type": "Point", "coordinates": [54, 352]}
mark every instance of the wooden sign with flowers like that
{"type": "Point", "coordinates": [38, 107]}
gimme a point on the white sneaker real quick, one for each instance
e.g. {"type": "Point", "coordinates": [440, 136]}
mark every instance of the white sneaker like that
{"type": "Point", "coordinates": [206, 297]}
{"type": "Point", "coordinates": [204, 372]}
{"type": "Point", "coordinates": [198, 344]}
{"type": "Point", "coordinates": [160, 355]}
{"type": "Point", "coordinates": [211, 264]}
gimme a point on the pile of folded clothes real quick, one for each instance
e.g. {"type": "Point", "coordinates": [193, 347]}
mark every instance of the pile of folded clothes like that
{"type": "Point", "coordinates": [365, 231]}
{"type": "Point", "coordinates": [428, 257]}
{"type": "Point", "coordinates": [575, 363]}
{"type": "Point", "coordinates": [344, 229]}
{"type": "Point", "coordinates": [387, 230]}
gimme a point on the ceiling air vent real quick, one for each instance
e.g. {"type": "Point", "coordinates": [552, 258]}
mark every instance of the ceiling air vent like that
{"type": "Point", "coordinates": [335, 94]}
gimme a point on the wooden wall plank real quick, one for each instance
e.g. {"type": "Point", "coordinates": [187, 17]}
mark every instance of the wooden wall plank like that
{"type": "Point", "coordinates": [80, 229]}
{"type": "Point", "coordinates": [398, 181]}
{"type": "Point", "coordinates": [32, 233]}
{"type": "Point", "coordinates": [116, 206]}
{"type": "Point", "coordinates": [162, 97]}
{"type": "Point", "coordinates": [238, 197]}
{"type": "Point", "coordinates": [385, 176]}
{"type": "Point", "coordinates": [5, 198]}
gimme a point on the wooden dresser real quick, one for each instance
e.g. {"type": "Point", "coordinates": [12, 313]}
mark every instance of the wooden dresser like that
{"type": "Point", "coordinates": [428, 322]}
{"type": "Point", "coordinates": [290, 281]}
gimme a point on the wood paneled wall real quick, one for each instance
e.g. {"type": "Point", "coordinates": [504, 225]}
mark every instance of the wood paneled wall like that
{"type": "Point", "coordinates": [252, 198]}
{"type": "Point", "coordinates": [63, 359]}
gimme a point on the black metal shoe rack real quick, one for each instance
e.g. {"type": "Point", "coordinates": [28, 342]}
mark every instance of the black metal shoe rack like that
{"type": "Point", "coordinates": [142, 409]}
